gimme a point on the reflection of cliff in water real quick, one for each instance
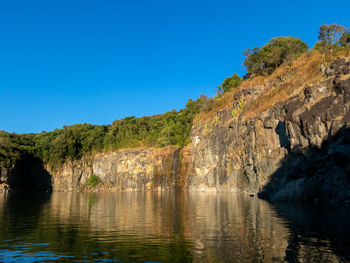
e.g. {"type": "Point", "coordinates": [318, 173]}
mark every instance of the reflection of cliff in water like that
{"type": "Point", "coordinates": [219, 227]}
{"type": "Point", "coordinates": [320, 233]}
{"type": "Point", "coordinates": [176, 227]}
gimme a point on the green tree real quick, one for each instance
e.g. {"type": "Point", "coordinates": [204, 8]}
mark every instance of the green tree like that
{"type": "Point", "coordinates": [229, 83]}
{"type": "Point", "coordinates": [331, 34]}
{"type": "Point", "coordinates": [279, 50]}
{"type": "Point", "coordinates": [253, 61]}
{"type": "Point", "coordinates": [345, 39]}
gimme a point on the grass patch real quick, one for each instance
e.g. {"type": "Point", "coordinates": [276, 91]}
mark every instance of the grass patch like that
{"type": "Point", "coordinates": [94, 180]}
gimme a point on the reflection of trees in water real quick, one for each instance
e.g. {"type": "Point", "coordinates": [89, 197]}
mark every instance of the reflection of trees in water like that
{"type": "Point", "coordinates": [70, 225]}
{"type": "Point", "coordinates": [170, 227]}
{"type": "Point", "coordinates": [20, 213]}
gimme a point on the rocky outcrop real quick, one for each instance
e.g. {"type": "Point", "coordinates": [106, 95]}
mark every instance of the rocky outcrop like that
{"type": "Point", "coordinates": [4, 187]}
{"type": "Point", "coordinates": [296, 150]}
{"type": "Point", "coordinates": [237, 154]}
{"type": "Point", "coordinates": [127, 170]}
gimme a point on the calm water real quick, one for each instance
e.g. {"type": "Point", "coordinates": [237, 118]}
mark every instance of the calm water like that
{"type": "Point", "coordinates": [168, 227]}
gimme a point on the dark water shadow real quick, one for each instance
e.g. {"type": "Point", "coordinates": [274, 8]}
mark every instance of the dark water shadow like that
{"type": "Point", "coordinates": [317, 232]}
{"type": "Point", "coordinates": [21, 213]}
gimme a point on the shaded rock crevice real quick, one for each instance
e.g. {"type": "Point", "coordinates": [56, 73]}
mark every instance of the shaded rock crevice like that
{"type": "Point", "coordinates": [27, 174]}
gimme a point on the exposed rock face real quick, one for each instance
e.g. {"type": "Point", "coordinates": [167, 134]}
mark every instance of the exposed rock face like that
{"type": "Point", "coordinates": [338, 67]}
{"type": "Point", "coordinates": [3, 180]}
{"type": "Point", "coordinates": [236, 155]}
{"type": "Point", "coordinates": [131, 169]}
{"type": "Point", "coordinates": [296, 150]}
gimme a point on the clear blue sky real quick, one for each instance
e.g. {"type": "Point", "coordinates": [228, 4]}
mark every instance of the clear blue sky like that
{"type": "Point", "coordinates": [67, 61]}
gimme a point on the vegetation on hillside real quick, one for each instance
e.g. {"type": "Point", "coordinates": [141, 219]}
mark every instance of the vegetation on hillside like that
{"type": "Point", "coordinates": [72, 142]}
{"type": "Point", "coordinates": [229, 83]}
{"type": "Point", "coordinates": [173, 127]}
{"type": "Point", "coordinates": [10, 150]}
{"type": "Point", "coordinates": [333, 35]}
{"type": "Point", "coordinates": [263, 61]}
{"type": "Point", "coordinates": [297, 70]}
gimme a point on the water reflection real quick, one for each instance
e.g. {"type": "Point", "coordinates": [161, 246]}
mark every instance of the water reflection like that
{"type": "Point", "coordinates": [168, 227]}
{"type": "Point", "coordinates": [318, 233]}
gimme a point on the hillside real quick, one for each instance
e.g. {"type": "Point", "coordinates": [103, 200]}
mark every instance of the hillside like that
{"type": "Point", "coordinates": [289, 140]}
{"type": "Point", "coordinates": [282, 132]}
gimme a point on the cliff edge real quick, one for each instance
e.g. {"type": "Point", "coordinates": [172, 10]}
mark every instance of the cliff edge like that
{"type": "Point", "coordinates": [284, 137]}
{"type": "Point", "coordinates": [298, 149]}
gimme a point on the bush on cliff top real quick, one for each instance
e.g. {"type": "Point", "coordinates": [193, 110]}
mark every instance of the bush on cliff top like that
{"type": "Point", "coordinates": [332, 37]}
{"type": "Point", "coordinates": [229, 83]}
{"type": "Point", "coordinates": [263, 61]}
{"type": "Point", "coordinates": [9, 155]}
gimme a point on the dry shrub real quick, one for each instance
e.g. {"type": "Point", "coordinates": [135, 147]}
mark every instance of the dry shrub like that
{"type": "Point", "coordinates": [304, 71]}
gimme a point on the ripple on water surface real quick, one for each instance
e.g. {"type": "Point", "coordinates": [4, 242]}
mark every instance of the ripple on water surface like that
{"type": "Point", "coordinates": [168, 227]}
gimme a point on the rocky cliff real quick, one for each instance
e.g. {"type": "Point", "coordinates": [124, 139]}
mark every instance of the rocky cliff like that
{"type": "Point", "coordinates": [129, 169]}
{"type": "Point", "coordinates": [286, 138]}
{"type": "Point", "coordinates": [298, 149]}
{"type": "Point", "coordinates": [4, 187]}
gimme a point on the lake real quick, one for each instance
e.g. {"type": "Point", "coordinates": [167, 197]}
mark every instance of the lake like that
{"type": "Point", "coordinates": [169, 227]}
